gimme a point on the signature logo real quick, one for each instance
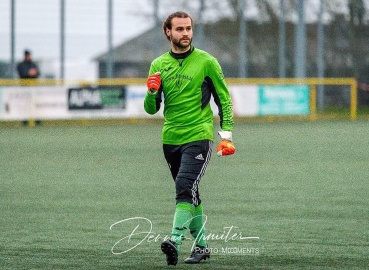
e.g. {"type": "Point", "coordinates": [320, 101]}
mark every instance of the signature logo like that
{"type": "Point", "coordinates": [168, 68]}
{"type": "Point", "coordinates": [142, 232]}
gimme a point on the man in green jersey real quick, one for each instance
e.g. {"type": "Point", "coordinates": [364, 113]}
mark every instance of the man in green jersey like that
{"type": "Point", "coordinates": [186, 78]}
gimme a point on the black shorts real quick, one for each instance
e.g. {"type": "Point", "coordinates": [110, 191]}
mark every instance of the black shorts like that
{"type": "Point", "coordinates": [187, 164]}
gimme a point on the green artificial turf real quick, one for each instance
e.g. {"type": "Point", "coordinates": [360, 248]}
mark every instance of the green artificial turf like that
{"type": "Point", "coordinates": [300, 189]}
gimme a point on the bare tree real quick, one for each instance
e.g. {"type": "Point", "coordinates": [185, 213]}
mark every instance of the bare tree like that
{"type": "Point", "coordinates": [357, 12]}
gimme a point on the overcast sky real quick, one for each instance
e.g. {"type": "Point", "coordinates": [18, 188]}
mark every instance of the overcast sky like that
{"type": "Point", "coordinates": [38, 23]}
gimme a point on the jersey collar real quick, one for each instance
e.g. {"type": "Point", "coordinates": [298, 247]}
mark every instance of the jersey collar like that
{"type": "Point", "coordinates": [182, 55]}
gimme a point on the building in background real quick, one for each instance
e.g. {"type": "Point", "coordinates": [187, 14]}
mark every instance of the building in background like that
{"type": "Point", "coordinates": [133, 58]}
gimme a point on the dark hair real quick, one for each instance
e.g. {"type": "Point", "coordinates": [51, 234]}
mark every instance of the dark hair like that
{"type": "Point", "coordinates": [168, 21]}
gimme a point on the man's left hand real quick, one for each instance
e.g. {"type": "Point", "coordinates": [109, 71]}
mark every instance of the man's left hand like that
{"type": "Point", "coordinates": [225, 148]}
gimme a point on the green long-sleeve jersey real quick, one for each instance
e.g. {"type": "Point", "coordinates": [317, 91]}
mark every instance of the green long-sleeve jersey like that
{"type": "Point", "coordinates": [187, 83]}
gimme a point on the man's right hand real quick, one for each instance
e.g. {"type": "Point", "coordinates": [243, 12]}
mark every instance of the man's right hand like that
{"type": "Point", "coordinates": [154, 82]}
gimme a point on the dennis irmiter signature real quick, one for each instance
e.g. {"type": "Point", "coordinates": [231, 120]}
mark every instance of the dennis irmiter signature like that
{"type": "Point", "coordinates": [143, 232]}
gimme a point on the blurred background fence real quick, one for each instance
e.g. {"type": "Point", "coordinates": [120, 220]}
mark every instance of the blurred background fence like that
{"type": "Point", "coordinates": [89, 40]}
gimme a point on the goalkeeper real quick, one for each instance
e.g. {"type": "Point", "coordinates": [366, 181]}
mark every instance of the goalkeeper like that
{"type": "Point", "coordinates": [187, 77]}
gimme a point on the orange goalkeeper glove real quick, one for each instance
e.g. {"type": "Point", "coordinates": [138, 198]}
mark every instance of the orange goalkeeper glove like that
{"type": "Point", "coordinates": [153, 83]}
{"type": "Point", "coordinates": [226, 146]}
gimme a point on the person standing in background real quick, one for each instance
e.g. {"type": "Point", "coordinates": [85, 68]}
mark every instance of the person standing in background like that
{"type": "Point", "coordinates": [27, 69]}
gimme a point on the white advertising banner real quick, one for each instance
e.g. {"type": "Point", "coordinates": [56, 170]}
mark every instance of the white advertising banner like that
{"type": "Point", "coordinates": [245, 99]}
{"type": "Point", "coordinates": [66, 102]}
{"type": "Point", "coordinates": [100, 102]}
{"type": "Point", "coordinates": [38, 102]}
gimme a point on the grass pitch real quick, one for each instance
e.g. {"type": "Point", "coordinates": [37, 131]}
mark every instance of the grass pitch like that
{"type": "Point", "coordinates": [299, 190]}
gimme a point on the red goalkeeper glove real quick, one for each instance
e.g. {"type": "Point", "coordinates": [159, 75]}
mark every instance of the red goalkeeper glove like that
{"type": "Point", "coordinates": [226, 146]}
{"type": "Point", "coordinates": [154, 82]}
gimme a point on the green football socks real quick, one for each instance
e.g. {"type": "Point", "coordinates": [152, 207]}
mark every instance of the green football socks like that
{"type": "Point", "coordinates": [182, 219]}
{"type": "Point", "coordinates": [197, 227]}
{"type": "Point", "coordinates": [188, 217]}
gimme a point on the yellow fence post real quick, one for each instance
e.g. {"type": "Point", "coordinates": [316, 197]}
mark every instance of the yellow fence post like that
{"type": "Point", "coordinates": [31, 122]}
{"type": "Point", "coordinates": [313, 102]}
{"type": "Point", "coordinates": [353, 105]}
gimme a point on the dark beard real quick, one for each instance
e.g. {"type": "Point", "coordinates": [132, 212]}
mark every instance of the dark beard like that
{"type": "Point", "coordinates": [180, 46]}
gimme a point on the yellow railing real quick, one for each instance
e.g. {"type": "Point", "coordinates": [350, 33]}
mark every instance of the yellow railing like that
{"type": "Point", "coordinates": [312, 82]}
{"type": "Point", "coordinates": [40, 82]}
